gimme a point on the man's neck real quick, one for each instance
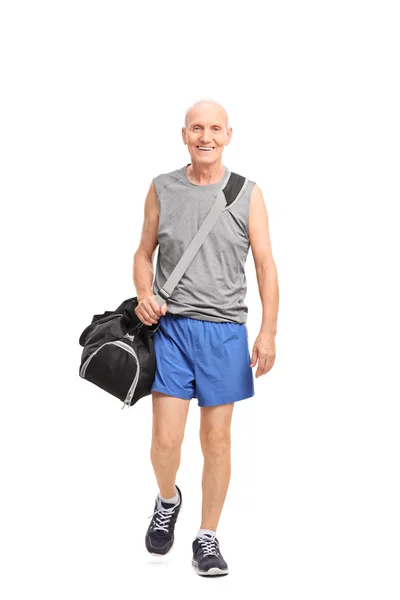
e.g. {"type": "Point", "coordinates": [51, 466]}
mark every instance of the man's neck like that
{"type": "Point", "coordinates": [205, 174]}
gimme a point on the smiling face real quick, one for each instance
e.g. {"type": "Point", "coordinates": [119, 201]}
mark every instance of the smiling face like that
{"type": "Point", "coordinates": [206, 134]}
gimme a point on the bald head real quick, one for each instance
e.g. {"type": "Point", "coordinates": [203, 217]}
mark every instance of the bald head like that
{"type": "Point", "coordinates": [207, 107]}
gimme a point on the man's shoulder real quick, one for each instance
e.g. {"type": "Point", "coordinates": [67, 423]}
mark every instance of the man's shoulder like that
{"type": "Point", "coordinates": [249, 182]}
{"type": "Point", "coordinates": [249, 188]}
{"type": "Point", "coordinates": [165, 180]}
{"type": "Point", "coordinates": [170, 176]}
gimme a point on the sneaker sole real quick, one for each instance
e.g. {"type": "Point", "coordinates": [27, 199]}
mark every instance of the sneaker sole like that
{"type": "Point", "coordinates": [213, 572]}
{"type": "Point", "coordinates": [160, 553]}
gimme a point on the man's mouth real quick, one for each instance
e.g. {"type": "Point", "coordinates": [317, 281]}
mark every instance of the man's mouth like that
{"type": "Point", "coordinates": [205, 148]}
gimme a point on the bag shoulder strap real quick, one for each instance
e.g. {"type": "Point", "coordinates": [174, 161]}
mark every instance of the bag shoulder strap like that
{"type": "Point", "coordinates": [231, 193]}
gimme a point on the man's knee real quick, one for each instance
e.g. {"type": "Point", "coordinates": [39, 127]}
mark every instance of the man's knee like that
{"type": "Point", "coordinates": [215, 441]}
{"type": "Point", "coordinates": [164, 442]}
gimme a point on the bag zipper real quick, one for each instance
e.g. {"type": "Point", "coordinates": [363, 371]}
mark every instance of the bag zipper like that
{"type": "Point", "coordinates": [131, 390]}
{"type": "Point", "coordinates": [129, 349]}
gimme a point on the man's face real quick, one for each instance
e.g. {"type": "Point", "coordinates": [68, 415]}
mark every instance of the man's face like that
{"type": "Point", "coordinates": [206, 128]}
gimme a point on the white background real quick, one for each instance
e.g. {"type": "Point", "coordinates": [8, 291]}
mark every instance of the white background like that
{"type": "Point", "coordinates": [92, 104]}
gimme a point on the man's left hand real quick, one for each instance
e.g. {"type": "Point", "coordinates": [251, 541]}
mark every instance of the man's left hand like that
{"type": "Point", "coordinates": [264, 352]}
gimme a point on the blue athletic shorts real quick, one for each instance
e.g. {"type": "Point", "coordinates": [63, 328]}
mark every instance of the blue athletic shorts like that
{"type": "Point", "coordinates": [199, 359]}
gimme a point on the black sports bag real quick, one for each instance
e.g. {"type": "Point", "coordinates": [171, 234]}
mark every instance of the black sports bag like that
{"type": "Point", "coordinates": [118, 351]}
{"type": "Point", "coordinates": [118, 354]}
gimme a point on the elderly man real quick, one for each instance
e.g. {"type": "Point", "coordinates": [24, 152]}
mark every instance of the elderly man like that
{"type": "Point", "coordinates": [201, 343]}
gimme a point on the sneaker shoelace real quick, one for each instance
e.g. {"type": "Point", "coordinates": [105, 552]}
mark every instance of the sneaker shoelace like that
{"type": "Point", "coordinates": [209, 545]}
{"type": "Point", "coordinates": [163, 517]}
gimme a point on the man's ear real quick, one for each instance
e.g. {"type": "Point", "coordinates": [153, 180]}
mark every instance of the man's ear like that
{"type": "Point", "coordinates": [184, 135]}
{"type": "Point", "coordinates": [229, 135]}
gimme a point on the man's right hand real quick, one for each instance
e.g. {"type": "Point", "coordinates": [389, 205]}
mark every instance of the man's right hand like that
{"type": "Point", "coordinates": [148, 310]}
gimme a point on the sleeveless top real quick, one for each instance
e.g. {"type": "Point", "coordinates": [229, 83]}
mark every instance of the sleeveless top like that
{"type": "Point", "coordinates": [213, 288]}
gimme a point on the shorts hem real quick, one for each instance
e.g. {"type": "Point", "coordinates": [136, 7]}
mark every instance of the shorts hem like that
{"type": "Point", "coordinates": [227, 402]}
{"type": "Point", "coordinates": [170, 393]}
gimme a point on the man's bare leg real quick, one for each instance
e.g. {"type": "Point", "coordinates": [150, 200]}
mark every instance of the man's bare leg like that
{"type": "Point", "coordinates": [215, 438]}
{"type": "Point", "coordinates": [168, 429]}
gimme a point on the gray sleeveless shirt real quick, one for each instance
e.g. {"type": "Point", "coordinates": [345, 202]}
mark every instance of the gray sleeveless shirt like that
{"type": "Point", "coordinates": [213, 288]}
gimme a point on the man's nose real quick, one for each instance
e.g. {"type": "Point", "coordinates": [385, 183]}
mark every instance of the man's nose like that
{"type": "Point", "coordinates": [206, 135]}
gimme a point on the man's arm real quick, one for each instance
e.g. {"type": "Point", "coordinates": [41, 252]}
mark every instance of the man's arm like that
{"type": "Point", "coordinates": [143, 272]}
{"type": "Point", "coordinates": [267, 276]}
